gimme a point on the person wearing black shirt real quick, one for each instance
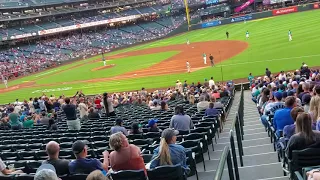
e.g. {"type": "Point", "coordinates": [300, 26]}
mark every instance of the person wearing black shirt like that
{"type": "Point", "coordinates": [48, 104]}
{"type": "Point", "coordinates": [93, 114]}
{"type": "Point", "coordinates": [268, 73]}
{"type": "Point", "coordinates": [227, 34]}
{"type": "Point", "coordinates": [70, 110]}
{"type": "Point", "coordinates": [36, 105]}
{"type": "Point", "coordinates": [61, 165]}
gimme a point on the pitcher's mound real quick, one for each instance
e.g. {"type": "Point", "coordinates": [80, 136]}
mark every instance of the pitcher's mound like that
{"type": "Point", "coordinates": [103, 67]}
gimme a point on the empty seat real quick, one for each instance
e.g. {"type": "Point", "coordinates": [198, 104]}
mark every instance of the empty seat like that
{"type": "Point", "coordinates": [129, 175]}
{"type": "Point", "coordinates": [167, 172]}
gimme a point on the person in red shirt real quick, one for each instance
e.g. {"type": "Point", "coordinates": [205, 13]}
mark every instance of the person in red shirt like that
{"type": "Point", "coordinates": [97, 102]}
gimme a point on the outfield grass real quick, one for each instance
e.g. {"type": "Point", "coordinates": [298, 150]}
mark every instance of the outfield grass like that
{"type": "Point", "coordinates": [268, 47]}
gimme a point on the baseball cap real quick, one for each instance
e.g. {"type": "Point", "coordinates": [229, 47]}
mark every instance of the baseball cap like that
{"type": "Point", "coordinates": [277, 95]}
{"type": "Point", "coordinates": [45, 171]}
{"type": "Point", "coordinates": [168, 133]}
{"type": "Point", "coordinates": [78, 146]}
{"type": "Point", "coordinates": [152, 122]}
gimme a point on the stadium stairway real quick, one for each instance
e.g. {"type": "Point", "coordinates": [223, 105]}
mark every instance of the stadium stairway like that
{"type": "Point", "coordinates": [259, 160]}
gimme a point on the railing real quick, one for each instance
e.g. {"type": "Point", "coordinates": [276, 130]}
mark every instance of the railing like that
{"type": "Point", "coordinates": [237, 126]}
{"type": "Point", "coordinates": [226, 156]}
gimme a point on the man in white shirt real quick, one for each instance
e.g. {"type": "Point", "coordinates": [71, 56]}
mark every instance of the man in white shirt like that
{"type": "Point", "coordinates": [211, 83]}
{"type": "Point", "coordinates": [5, 171]}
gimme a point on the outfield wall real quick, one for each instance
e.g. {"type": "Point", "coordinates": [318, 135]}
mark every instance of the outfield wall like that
{"type": "Point", "coordinates": [254, 16]}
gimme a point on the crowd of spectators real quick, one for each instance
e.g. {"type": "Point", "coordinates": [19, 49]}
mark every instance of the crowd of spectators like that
{"type": "Point", "coordinates": [293, 99]}
{"type": "Point", "coordinates": [79, 108]}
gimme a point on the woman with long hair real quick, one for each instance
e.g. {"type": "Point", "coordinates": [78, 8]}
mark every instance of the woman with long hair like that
{"type": "Point", "coordinates": [169, 153]}
{"type": "Point", "coordinates": [314, 109]}
{"type": "Point", "coordinates": [108, 106]}
{"type": "Point", "coordinates": [304, 137]}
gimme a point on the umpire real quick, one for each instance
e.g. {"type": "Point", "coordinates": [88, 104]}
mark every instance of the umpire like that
{"type": "Point", "coordinates": [211, 60]}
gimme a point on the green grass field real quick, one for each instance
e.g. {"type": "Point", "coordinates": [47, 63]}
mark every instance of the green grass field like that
{"type": "Point", "coordinates": [268, 47]}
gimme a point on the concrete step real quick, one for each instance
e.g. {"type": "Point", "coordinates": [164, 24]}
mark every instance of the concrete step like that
{"type": "Point", "coordinates": [261, 171]}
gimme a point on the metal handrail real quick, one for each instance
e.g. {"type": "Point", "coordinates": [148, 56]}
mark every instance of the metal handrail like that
{"type": "Point", "coordinates": [234, 156]}
{"type": "Point", "coordinates": [226, 156]}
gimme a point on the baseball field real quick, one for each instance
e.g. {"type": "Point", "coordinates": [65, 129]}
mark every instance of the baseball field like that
{"type": "Point", "coordinates": [159, 64]}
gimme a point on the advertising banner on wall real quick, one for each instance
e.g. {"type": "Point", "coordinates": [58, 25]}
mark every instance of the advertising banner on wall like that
{"type": "Point", "coordinates": [316, 5]}
{"type": "Point", "coordinates": [243, 6]}
{"type": "Point", "coordinates": [211, 24]}
{"type": "Point", "coordinates": [285, 10]}
{"type": "Point", "coordinates": [241, 18]}
{"type": "Point", "coordinates": [212, 1]}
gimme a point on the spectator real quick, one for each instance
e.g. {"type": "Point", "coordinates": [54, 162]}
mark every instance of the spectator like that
{"type": "Point", "coordinates": [282, 117]}
{"type": "Point", "coordinates": [96, 175]}
{"type": "Point", "coordinates": [169, 153]}
{"type": "Point", "coordinates": [44, 119]}
{"type": "Point", "coordinates": [4, 124]}
{"type": "Point", "coordinates": [305, 88]}
{"type": "Point", "coordinates": [48, 104]}
{"type": "Point", "coordinates": [191, 99]}
{"type": "Point", "coordinates": [31, 107]}
{"type": "Point", "coordinates": [5, 171]}
{"type": "Point", "coordinates": [61, 165]}
{"type": "Point", "coordinates": [215, 94]}
{"type": "Point", "coordinates": [36, 105]}
{"type": "Point", "coordinates": [70, 110]}
{"type": "Point", "coordinates": [107, 105]}
{"type": "Point", "coordinates": [155, 106]}
{"type": "Point", "coordinates": [46, 172]}
{"type": "Point", "coordinates": [164, 106]}
{"type": "Point", "coordinates": [83, 109]}
{"type": "Point", "coordinates": [202, 104]}
{"type": "Point", "coordinates": [125, 156]}
{"type": "Point", "coordinates": [211, 111]}
{"type": "Point", "coordinates": [52, 125]}
{"type": "Point", "coordinates": [216, 104]}
{"type": "Point", "coordinates": [93, 114]}
{"type": "Point", "coordinates": [118, 128]}
{"type": "Point", "coordinates": [28, 123]}
{"type": "Point", "coordinates": [97, 103]}
{"type": "Point", "coordinates": [14, 121]}
{"type": "Point", "coordinates": [289, 130]}
{"type": "Point", "coordinates": [306, 102]}
{"type": "Point", "coordinates": [305, 137]}
{"type": "Point", "coordinates": [152, 124]}
{"type": "Point", "coordinates": [83, 165]}
{"type": "Point", "coordinates": [135, 129]}
{"type": "Point", "coordinates": [180, 121]}
{"type": "Point", "coordinates": [271, 107]}
{"type": "Point", "coordinates": [314, 110]}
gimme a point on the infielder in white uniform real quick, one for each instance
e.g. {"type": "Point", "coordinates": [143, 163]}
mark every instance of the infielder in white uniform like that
{"type": "Point", "coordinates": [188, 67]}
{"type": "Point", "coordinates": [5, 83]}
{"type": "Point", "coordinates": [204, 58]}
{"type": "Point", "coordinates": [188, 42]}
{"type": "Point", "coordinates": [104, 60]}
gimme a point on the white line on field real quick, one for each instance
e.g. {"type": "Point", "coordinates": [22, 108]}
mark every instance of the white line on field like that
{"type": "Point", "coordinates": [47, 73]}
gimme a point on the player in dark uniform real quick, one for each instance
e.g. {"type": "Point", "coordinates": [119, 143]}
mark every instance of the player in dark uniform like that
{"type": "Point", "coordinates": [227, 34]}
{"type": "Point", "coordinates": [211, 60]}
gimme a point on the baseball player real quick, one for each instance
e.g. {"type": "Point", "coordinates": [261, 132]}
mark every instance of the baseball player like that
{"type": "Point", "coordinates": [5, 81]}
{"type": "Point", "coordinates": [104, 60]}
{"type": "Point", "coordinates": [188, 42]}
{"type": "Point", "coordinates": [211, 60]}
{"type": "Point", "coordinates": [290, 35]}
{"type": "Point", "coordinates": [188, 67]}
{"type": "Point", "coordinates": [247, 35]}
{"type": "Point", "coordinates": [204, 58]}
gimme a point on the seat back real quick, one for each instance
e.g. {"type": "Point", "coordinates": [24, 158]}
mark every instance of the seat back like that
{"type": "Point", "coordinates": [25, 177]}
{"type": "Point", "coordinates": [166, 172]}
{"type": "Point", "coordinates": [304, 158]}
{"type": "Point", "coordinates": [129, 175]}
